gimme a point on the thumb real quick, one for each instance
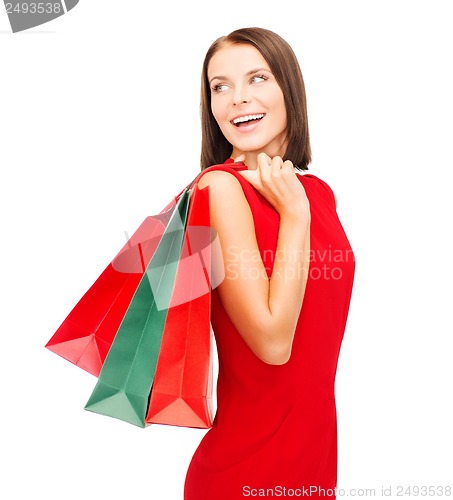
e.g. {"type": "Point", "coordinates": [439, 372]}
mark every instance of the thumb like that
{"type": "Point", "coordinates": [239, 159]}
{"type": "Point", "coordinates": [250, 176]}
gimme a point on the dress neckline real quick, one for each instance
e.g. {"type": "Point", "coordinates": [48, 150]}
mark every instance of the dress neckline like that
{"type": "Point", "coordinates": [237, 166]}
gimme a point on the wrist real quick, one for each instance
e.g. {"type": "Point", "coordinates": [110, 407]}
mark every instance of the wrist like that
{"type": "Point", "coordinates": [299, 212]}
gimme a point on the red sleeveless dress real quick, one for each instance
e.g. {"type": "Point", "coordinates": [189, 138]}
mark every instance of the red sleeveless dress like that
{"type": "Point", "coordinates": [275, 433]}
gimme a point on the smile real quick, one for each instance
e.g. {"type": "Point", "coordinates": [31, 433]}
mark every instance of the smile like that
{"type": "Point", "coordinates": [240, 120]}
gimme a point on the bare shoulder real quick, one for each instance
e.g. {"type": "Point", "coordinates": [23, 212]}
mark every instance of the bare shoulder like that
{"type": "Point", "coordinates": [230, 210]}
{"type": "Point", "coordinates": [225, 191]}
{"type": "Point", "coordinates": [218, 180]}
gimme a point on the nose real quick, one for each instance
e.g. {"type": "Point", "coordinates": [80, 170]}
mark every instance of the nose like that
{"type": "Point", "coordinates": [241, 95]}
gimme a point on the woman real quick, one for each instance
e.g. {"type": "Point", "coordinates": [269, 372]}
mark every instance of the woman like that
{"type": "Point", "coordinates": [279, 315]}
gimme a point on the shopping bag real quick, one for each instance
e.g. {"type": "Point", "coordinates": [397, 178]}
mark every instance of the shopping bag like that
{"type": "Point", "coordinates": [126, 377]}
{"type": "Point", "coordinates": [85, 336]}
{"type": "Point", "coordinates": [161, 340]}
{"type": "Point", "coordinates": [182, 391]}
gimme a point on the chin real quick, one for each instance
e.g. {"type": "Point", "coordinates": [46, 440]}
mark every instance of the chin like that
{"type": "Point", "coordinates": [252, 147]}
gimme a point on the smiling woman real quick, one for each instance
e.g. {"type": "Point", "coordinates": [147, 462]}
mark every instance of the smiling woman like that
{"type": "Point", "coordinates": [248, 105]}
{"type": "Point", "coordinates": [278, 323]}
{"type": "Point", "coordinates": [268, 66]}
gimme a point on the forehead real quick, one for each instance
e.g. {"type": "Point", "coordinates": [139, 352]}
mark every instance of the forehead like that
{"type": "Point", "coordinates": [235, 60]}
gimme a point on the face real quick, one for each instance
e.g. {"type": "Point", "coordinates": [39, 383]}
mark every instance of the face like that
{"type": "Point", "coordinates": [247, 102]}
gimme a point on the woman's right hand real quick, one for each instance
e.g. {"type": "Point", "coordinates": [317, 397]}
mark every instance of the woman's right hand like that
{"type": "Point", "coordinates": [277, 181]}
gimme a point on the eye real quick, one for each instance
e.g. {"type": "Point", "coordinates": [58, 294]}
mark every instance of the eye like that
{"type": "Point", "coordinates": [221, 87]}
{"type": "Point", "coordinates": [258, 79]}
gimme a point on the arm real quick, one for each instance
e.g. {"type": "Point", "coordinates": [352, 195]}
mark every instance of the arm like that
{"type": "Point", "coordinates": [264, 311]}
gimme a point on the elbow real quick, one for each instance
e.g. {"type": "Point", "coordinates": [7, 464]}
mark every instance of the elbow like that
{"type": "Point", "coordinates": [275, 353]}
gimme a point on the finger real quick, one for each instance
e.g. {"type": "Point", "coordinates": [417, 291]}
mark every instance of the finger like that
{"type": "Point", "coordinates": [252, 176]}
{"type": "Point", "coordinates": [264, 159]}
{"type": "Point", "coordinates": [277, 163]}
{"type": "Point", "coordinates": [288, 165]}
{"type": "Point", "coordinates": [264, 168]}
{"type": "Point", "coordinates": [240, 158]}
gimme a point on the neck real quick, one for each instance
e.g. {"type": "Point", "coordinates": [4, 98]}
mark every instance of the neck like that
{"type": "Point", "coordinates": [251, 160]}
{"type": "Point", "coordinates": [251, 157]}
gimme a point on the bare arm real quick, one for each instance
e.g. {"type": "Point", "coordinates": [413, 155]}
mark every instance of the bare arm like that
{"type": "Point", "coordinates": [264, 311]}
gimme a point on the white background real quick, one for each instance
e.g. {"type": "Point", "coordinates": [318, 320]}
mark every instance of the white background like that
{"type": "Point", "coordinates": [99, 128]}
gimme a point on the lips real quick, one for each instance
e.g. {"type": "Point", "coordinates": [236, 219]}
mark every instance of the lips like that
{"type": "Point", "coordinates": [244, 120]}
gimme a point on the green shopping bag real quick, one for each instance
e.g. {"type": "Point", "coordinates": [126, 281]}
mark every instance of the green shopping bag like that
{"type": "Point", "coordinates": [127, 375]}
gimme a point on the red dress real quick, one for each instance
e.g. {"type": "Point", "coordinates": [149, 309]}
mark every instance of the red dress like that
{"type": "Point", "coordinates": [275, 427]}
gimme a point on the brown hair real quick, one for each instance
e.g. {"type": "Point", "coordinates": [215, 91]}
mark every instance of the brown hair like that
{"type": "Point", "coordinates": [286, 70]}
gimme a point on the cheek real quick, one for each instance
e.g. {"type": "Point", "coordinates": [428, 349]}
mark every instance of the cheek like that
{"type": "Point", "coordinates": [220, 114]}
{"type": "Point", "coordinates": [217, 109]}
{"type": "Point", "coordinates": [284, 117]}
{"type": "Point", "coordinates": [279, 106]}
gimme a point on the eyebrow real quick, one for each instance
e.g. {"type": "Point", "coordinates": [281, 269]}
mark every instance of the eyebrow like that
{"type": "Point", "coordinates": [251, 72]}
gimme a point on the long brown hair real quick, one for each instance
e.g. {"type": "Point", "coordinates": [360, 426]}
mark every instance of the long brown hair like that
{"type": "Point", "coordinates": [286, 70]}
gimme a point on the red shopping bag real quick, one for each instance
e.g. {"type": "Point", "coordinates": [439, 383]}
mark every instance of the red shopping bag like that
{"type": "Point", "coordinates": [87, 333]}
{"type": "Point", "coordinates": [182, 391]}
{"type": "Point", "coordinates": [125, 381]}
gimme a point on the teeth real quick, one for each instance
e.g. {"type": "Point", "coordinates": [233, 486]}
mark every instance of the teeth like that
{"type": "Point", "coordinates": [247, 118]}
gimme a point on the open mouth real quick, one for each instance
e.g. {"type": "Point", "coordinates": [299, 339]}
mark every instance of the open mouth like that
{"type": "Point", "coordinates": [247, 119]}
